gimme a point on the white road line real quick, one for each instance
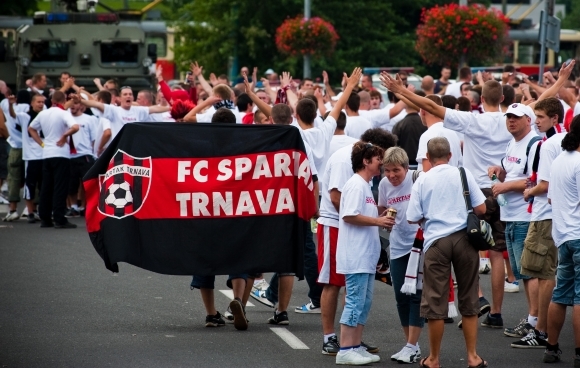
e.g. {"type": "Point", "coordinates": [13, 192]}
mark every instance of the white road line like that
{"type": "Point", "coordinates": [289, 338]}
{"type": "Point", "coordinates": [230, 295]}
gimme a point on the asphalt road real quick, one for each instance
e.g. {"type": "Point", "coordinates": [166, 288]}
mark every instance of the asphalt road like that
{"type": "Point", "coordinates": [60, 307]}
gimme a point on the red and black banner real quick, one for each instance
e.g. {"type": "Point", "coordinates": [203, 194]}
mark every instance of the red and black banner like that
{"type": "Point", "coordinates": [201, 199]}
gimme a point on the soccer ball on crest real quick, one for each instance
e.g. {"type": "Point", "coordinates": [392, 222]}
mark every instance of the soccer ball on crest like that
{"type": "Point", "coordinates": [119, 195]}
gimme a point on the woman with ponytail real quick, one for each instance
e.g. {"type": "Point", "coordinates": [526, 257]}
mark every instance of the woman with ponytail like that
{"type": "Point", "coordinates": [564, 195]}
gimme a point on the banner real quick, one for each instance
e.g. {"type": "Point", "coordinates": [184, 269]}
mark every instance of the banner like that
{"type": "Point", "coordinates": [201, 199]}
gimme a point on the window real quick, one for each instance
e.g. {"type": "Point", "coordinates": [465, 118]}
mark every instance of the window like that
{"type": "Point", "coordinates": [49, 52]}
{"type": "Point", "coordinates": [119, 53]}
{"type": "Point", "coordinates": [160, 41]}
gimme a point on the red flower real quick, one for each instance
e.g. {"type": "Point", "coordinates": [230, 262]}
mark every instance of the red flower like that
{"type": "Point", "coordinates": [298, 36]}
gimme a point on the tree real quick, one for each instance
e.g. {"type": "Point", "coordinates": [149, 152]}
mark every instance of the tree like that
{"type": "Point", "coordinates": [20, 7]}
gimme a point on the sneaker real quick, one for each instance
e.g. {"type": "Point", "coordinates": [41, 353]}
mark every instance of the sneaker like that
{"type": "Point", "coordinates": [352, 357]}
{"type": "Point", "coordinates": [3, 199]}
{"type": "Point", "coordinates": [36, 216]}
{"type": "Point", "coordinates": [531, 341]}
{"type": "Point", "coordinates": [408, 355]}
{"type": "Point", "coordinates": [331, 347]}
{"type": "Point", "coordinates": [279, 319]}
{"type": "Point", "coordinates": [24, 213]}
{"type": "Point", "coordinates": [66, 225]}
{"type": "Point", "coordinates": [307, 308]}
{"type": "Point", "coordinates": [260, 296]}
{"type": "Point", "coordinates": [240, 321]}
{"type": "Point", "coordinates": [521, 330]}
{"type": "Point", "coordinates": [46, 224]}
{"type": "Point", "coordinates": [228, 315]}
{"type": "Point", "coordinates": [71, 212]}
{"type": "Point", "coordinates": [484, 307]}
{"type": "Point", "coordinates": [511, 287]}
{"type": "Point", "coordinates": [492, 322]}
{"type": "Point", "coordinates": [551, 356]}
{"type": "Point", "coordinates": [214, 321]}
{"type": "Point", "coordinates": [11, 216]}
{"type": "Point", "coordinates": [449, 320]}
{"type": "Point", "coordinates": [362, 351]}
{"type": "Point", "coordinates": [396, 356]}
{"type": "Point", "coordinates": [484, 266]}
{"type": "Point", "coordinates": [261, 285]}
{"type": "Point", "coordinates": [31, 218]}
{"type": "Point", "coordinates": [369, 348]}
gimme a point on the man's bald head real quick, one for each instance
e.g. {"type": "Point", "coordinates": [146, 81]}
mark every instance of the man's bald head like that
{"type": "Point", "coordinates": [365, 100]}
{"type": "Point", "coordinates": [428, 84]}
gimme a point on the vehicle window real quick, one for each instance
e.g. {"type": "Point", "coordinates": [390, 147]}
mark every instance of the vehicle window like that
{"type": "Point", "coordinates": [119, 52]}
{"type": "Point", "coordinates": [160, 41]}
{"type": "Point", "coordinates": [49, 51]}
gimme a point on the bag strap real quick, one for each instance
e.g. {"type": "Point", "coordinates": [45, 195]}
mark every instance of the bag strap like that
{"type": "Point", "coordinates": [528, 148]}
{"type": "Point", "coordinates": [466, 196]}
{"type": "Point", "coordinates": [415, 175]}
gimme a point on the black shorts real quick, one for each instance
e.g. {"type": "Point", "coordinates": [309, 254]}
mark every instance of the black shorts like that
{"type": "Point", "coordinates": [32, 179]}
{"type": "Point", "coordinates": [79, 166]}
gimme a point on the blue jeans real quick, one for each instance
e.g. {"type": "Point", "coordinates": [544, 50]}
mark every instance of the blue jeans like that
{"type": "Point", "coordinates": [310, 273]}
{"type": "Point", "coordinates": [567, 291]}
{"type": "Point", "coordinates": [408, 306]}
{"type": "Point", "coordinates": [359, 298]}
{"type": "Point", "coordinates": [515, 234]}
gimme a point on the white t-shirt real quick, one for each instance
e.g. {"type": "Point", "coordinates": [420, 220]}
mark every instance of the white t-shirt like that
{"type": "Point", "coordinates": [356, 126]}
{"type": "Point", "coordinates": [514, 163]}
{"type": "Point", "coordinates": [86, 135]}
{"type": "Point", "coordinates": [339, 141]}
{"type": "Point", "coordinates": [15, 132]}
{"type": "Point", "coordinates": [54, 122]}
{"type": "Point", "coordinates": [454, 89]}
{"type": "Point", "coordinates": [358, 247]}
{"type": "Point", "coordinates": [102, 125]}
{"type": "Point", "coordinates": [161, 117]}
{"type": "Point", "coordinates": [484, 141]}
{"type": "Point", "coordinates": [205, 117]}
{"type": "Point", "coordinates": [437, 196]}
{"type": "Point", "coordinates": [379, 118]}
{"type": "Point", "coordinates": [564, 193]}
{"type": "Point", "coordinates": [22, 107]}
{"type": "Point", "coordinates": [577, 109]}
{"type": "Point", "coordinates": [319, 140]}
{"type": "Point", "coordinates": [397, 197]}
{"type": "Point", "coordinates": [135, 114]}
{"type": "Point", "coordinates": [550, 149]}
{"type": "Point", "coordinates": [437, 130]}
{"type": "Point", "coordinates": [30, 149]}
{"type": "Point", "coordinates": [337, 172]}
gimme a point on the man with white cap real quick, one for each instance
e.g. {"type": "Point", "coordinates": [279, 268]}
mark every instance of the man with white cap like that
{"type": "Point", "coordinates": [516, 167]}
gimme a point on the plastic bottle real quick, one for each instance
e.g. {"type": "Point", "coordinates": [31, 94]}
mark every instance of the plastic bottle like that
{"type": "Point", "coordinates": [500, 198]}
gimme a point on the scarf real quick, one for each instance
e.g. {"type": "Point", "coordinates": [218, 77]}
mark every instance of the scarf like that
{"type": "Point", "coordinates": [248, 118]}
{"type": "Point", "coordinates": [281, 97]}
{"type": "Point", "coordinates": [228, 104]}
{"type": "Point", "coordinates": [71, 143]}
{"type": "Point", "coordinates": [534, 177]}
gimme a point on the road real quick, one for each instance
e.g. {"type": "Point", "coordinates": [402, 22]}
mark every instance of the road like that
{"type": "Point", "coordinates": [60, 307]}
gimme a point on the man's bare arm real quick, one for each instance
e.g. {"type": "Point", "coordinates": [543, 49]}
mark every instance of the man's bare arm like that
{"type": "Point", "coordinates": [191, 116]}
{"type": "Point", "coordinates": [397, 86]}
{"type": "Point", "coordinates": [262, 106]}
{"type": "Point", "coordinates": [197, 71]}
{"type": "Point", "coordinates": [352, 82]}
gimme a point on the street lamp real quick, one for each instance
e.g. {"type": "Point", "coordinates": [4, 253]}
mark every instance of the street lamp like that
{"type": "Point", "coordinates": [306, 57]}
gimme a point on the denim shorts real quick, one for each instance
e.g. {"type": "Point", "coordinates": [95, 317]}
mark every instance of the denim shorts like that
{"type": "Point", "coordinates": [207, 282]}
{"type": "Point", "coordinates": [567, 290]}
{"type": "Point", "coordinates": [359, 298]}
{"type": "Point", "coordinates": [515, 235]}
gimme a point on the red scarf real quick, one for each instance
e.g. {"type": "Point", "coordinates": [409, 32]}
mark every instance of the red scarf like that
{"type": "Point", "coordinates": [281, 96]}
{"type": "Point", "coordinates": [71, 143]}
{"type": "Point", "coordinates": [568, 119]}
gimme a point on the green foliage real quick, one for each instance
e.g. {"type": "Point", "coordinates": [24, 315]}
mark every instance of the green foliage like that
{"type": "Point", "coordinates": [571, 21]}
{"type": "Point", "coordinates": [20, 7]}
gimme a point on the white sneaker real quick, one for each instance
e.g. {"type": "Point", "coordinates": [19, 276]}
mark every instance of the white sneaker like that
{"type": "Point", "coordinates": [11, 216]}
{"type": "Point", "coordinates": [261, 285]}
{"type": "Point", "coordinates": [394, 357]}
{"type": "Point", "coordinates": [351, 357]}
{"type": "Point", "coordinates": [484, 266]}
{"type": "Point", "coordinates": [409, 355]}
{"type": "Point", "coordinates": [24, 213]}
{"type": "Point", "coordinates": [229, 316]}
{"type": "Point", "coordinates": [3, 200]}
{"type": "Point", "coordinates": [307, 308]}
{"type": "Point", "coordinates": [363, 351]}
{"type": "Point", "coordinates": [511, 287]}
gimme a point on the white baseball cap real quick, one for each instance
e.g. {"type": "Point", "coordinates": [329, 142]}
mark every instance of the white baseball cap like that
{"type": "Point", "coordinates": [269, 71]}
{"type": "Point", "coordinates": [520, 110]}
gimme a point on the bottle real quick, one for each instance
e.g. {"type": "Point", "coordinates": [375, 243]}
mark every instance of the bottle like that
{"type": "Point", "coordinates": [500, 198]}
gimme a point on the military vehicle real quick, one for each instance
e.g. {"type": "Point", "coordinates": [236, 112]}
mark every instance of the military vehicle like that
{"type": "Point", "coordinates": [79, 41]}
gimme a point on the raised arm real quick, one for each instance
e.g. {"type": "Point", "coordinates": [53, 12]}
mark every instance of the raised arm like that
{"type": "Point", "coordinates": [320, 99]}
{"type": "Point", "coordinates": [11, 102]}
{"type": "Point", "coordinates": [285, 81]}
{"type": "Point", "coordinates": [397, 86]}
{"type": "Point", "coordinates": [327, 86]}
{"type": "Point", "coordinates": [351, 82]}
{"type": "Point", "coordinates": [565, 72]}
{"type": "Point", "coordinates": [97, 82]}
{"type": "Point", "coordinates": [254, 80]}
{"type": "Point", "coordinates": [268, 89]}
{"type": "Point", "coordinates": [156, 109]}
{"type": "Point", "coordinates": [88, 103]}
{"type": "Point", "coordinates": [197, 72]}
{"type": "Point", "coordinates": [191, 116]}
{"type": "Point", "coordinates": [262, 106]}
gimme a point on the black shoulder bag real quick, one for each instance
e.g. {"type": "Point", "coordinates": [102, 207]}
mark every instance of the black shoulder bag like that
{"type": "Point", "coordinates": [476, 238]}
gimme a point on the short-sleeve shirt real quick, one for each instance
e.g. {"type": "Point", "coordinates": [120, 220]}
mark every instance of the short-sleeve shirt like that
{"type": "Point", "coordinates": [337, 172]}
{"type": "Point", "coordinates": [437, 130]}
{"type": "Point", "coordinates": [30, 149]}
{"type": "Point", "coordinates": [550, 149]}
{"type": "Point", "coordinates": [398, 197]}
{"type": "Point", "coordinates": [564, 193]}
{"type": "Point", "coordinates": [135, 114]}
{"type": "Point", "coordinates": [437, 197]}
{"type": "Point", "coordinates": [54, 122]}
{"type": "Point", "coordinates": [356, 126]}
{"type": "Point", "coordinates": [358, 247]}
{"type": "Point", "coordinates": [319, 140]}
{"type": "Point", "coordinates": [83, 139]}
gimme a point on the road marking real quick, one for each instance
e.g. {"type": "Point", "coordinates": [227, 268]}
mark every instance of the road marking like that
{"type": "Point", "coordinates": [230, 295]}
{"type": "Point", "coordinates": [289, 338]}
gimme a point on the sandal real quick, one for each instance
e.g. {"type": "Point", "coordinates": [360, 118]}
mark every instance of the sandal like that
{"type": "Point", "coordinates": [423, 365]}
{"type": "Point", "coordinates": [483, 364]}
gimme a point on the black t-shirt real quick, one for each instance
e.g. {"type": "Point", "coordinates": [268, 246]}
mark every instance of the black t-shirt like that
{"type": "Point", "coordinates": [409, 131]}
{"type": "Point", "coordinates": [439, 86]}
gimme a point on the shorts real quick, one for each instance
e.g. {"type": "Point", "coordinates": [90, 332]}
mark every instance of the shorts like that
{"type": "Point", "coordinates": [515, 235]}
{"type": "Point", "coordinates": [15, 174]}
{"type": "Point", "coordinates": [207, 282]}
{"type": "Point", "coordinates": [453, 250]}
{"type": "Point", "coordinates": [79, 166]}
{"type": "Point", "coordinates": [567, 290]}
{"type": "Point", "coordinates": [4, 147]}
{"type": "Point", "coordinates": [540, 254]}
{"type": "Point", "coordinates": [492, 216]}
{"type": "Point", "coordinates": [358, 298]}
{"type": "Point", "coordinates": [327, 237]}
{"type": "Point", "coordinates": [33, 179]}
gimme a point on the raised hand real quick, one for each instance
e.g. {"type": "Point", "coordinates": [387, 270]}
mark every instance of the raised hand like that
{"type": "Point", "coordinates": [549, 77]}
{"type": "Point", "coordinates": [325, 79]}
{"type": "Point", "coordinates": [286, 79]}
{"type": "Point", "coordinates": [75, 98]}
{"type": "Point", "coordinates": [265, 83]}
{"type": "Point", "coordinates": [566, 70]}
{"type": "Point", "coordinates": [247, 83]}
{"type": "Point", "coordinates": [196, 70]}
{"type": "Point", "coordinates": [213, 79]}
{"type": "Point", "coordinates": [354, 78]}
{"type": "Point", "coordinates": [12, 99]}
{"type": "Point", "coordinates": [318, 93]}
{"type": "Point", "coordinates": [159, 73]}
{"type": "Point", "coordinates": [392, 84]}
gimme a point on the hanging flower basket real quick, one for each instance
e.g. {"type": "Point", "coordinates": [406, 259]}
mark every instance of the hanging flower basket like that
{"type": "Point", "coordinates": [298, 36]}
{"type": "Point", "coordinates": [449, 32]}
